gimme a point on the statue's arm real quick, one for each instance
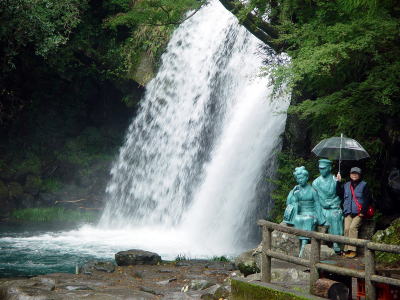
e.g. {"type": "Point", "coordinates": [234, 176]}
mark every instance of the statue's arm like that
{"type": "Point", "coordinates": [318, 209]}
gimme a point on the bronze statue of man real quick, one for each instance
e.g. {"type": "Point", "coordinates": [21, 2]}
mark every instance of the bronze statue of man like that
{"type": "Point", "coordinates": [329, 201]}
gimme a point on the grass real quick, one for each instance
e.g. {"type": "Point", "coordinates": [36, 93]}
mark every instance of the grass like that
{"type": "Point", "coordinates": [220, 259]}
{"type": "Point", "coordinates": [51, 214]}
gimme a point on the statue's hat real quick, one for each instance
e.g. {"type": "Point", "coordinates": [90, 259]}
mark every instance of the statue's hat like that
{"type": "Point", "coordinates": [324, 162]}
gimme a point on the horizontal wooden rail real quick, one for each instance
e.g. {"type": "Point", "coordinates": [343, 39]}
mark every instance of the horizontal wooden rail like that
{"type": "Point", "coordinates": [312, 234]}
{"type": "Point", "coordinates": [384, 247]}
{"type": "Point", "coordinates": [387, 280]}
{"type": "Point", "coordinates": [341, 270]}
{"type": "Point", "coordinates": [314, 263]}
{"type": "Point", "coordinates": [288, 258]}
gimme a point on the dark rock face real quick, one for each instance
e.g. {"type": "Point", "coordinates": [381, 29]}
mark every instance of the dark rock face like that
{"type": "Point", "coordinates": [103, 266]}
{"type": "Point", "coordinates": [137, 257]}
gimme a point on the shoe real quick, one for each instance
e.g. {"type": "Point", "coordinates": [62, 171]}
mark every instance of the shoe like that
{"type": "Point", "coordinates": [352, 254]}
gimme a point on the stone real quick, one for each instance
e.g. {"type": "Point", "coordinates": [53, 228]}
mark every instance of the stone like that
{"type": "Point", "coordinates": [165, 282]}
{"type": "Point", "coordinates": [285, 243]}
{"type": "Point", "coordinates": [289, 275]}
{"type": "Point", "coordinates": [325, 252]}
{"type": "Point", "coordinates": [150, 290]}
{"type": "Point", "coordinates": [222, 292]}
{"type": "Point", "coordinates": [200, 284]}
{"type": "Point", "coordinates": [102, 266]}
{"type": "Point", "coordinates": [137, 257]}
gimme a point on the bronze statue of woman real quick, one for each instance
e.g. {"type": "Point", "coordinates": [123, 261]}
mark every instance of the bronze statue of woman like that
{"type": "Point", "coordinates": [302, 208]}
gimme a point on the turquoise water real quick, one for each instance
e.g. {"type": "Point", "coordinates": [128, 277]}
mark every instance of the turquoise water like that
{"type": "Point", "coordinates": [25, 251]}
{"type": "Point", "coordinates": [28, 250]}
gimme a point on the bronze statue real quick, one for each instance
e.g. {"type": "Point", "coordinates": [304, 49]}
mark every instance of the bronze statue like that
{"type": "Point", "coordinates": [302, 206]}
{"type": "Point", "coordinates": [325, 185]}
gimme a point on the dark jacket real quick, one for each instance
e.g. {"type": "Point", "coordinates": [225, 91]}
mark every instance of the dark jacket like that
{"type": "Point", "coordinates": [362, 194]}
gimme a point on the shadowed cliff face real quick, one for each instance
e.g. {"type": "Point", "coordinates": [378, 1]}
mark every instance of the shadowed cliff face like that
{"type": "Point", "coordinates": [61, 145]}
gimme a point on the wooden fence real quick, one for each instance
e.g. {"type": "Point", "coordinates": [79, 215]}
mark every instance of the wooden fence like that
{"type": "Point", "coordinates": [314, 263]}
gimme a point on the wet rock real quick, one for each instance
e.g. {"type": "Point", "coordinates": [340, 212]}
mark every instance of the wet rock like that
{"type": "Point", "coordinates": [137, 257]}
{"type": "Point", "coordinates": [164, 271]}
{"type": "Point", "coordinates": [151, 291]}
{"type": "Point", "coordinates": [182, 264]}
{"type": "Point", "coordinates": [221, 265]}
{"type": "Point", "coordinates": [222, 292]}
{"type": "Point", "coordinates": [199, 284]}
{"type": "Point", "coordinates": [165, 282]}
{"type": "Point", "coordinates": [249, 262]}
{"type": "Point", "coordinates": [102, 266]}
{"type": "Point", "coordinates": [291, 275]}
{"type": "Point", "coordinates": [77, 288]}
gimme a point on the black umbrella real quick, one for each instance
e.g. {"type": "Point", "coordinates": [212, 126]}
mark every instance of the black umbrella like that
{"type": "Point", "coordinates": [340, 148]}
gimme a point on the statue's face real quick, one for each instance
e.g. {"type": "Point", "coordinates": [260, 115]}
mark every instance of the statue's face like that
{"type": "Point", "coordinates": [325, 170]}
{"type": "Point", "coordinates": [302, 179]}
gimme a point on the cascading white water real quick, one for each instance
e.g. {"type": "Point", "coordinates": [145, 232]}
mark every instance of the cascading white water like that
{"type": "Point", "coordinates": [206, 131]}
{"type": "Point", "coordinates": [191, 176]}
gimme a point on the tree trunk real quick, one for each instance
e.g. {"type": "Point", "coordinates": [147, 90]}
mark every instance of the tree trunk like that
{"type": "Point", "coordinates": [331, 289]}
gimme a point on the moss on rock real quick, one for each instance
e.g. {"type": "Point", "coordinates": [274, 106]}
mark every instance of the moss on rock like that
{"type": "Point", "coordinates": [242, 290]}
{"type": "Point", "coordinates": [390, 235]}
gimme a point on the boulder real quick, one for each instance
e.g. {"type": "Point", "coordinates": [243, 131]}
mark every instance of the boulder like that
{"type": "Point", "coordinates": [102, 266]}
{"type": "Point", "coordinates": [137, 257]}
{"type": "Point", "coordinates": [289, 275]}
{"type": "Point", "coordinates": [199, 284]}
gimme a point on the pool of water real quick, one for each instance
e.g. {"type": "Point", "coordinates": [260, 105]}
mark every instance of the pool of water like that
{"type": "Point", "coordinates": [32, 249]}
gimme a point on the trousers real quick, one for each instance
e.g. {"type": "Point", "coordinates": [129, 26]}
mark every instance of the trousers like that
{"type": "Point", "coordinates": [351, 227]}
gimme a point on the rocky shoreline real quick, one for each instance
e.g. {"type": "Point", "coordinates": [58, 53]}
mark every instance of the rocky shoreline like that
{"type": "Point", "coordinates": [186, 279]}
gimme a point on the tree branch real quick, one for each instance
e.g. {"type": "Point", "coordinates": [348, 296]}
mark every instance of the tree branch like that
{"type": "Point", "coordinates": [260, 29]}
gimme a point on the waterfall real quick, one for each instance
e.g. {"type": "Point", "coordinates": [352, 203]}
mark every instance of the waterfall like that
{"type": "Point", "coordinates": [196, 156]}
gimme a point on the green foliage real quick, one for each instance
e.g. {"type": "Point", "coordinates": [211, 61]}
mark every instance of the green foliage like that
{"type": "Point", "coordinates": [51, 185]}
{"type": "Point", "coordinates": [181, 257]}
{"type": "Point", "coordinates": [45, 24]}
{"type": "Point", "coordinates": [285, 181]}
{"type": "Point", "coordinates": [390, 235]}
{"type": "Point", "coordinates": [248, 270]}
{"type": "Point", "coordinates": [220, 259]}
{"type": "Point", "coordinates": [53, 214]}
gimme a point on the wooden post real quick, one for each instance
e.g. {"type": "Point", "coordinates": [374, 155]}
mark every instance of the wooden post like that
{"type": "Point", "coordinates": [370, 291]}
{"type": "Point", "coordinates": [314, 260]}
{"type": "Point", "coordinates": [265, 259]}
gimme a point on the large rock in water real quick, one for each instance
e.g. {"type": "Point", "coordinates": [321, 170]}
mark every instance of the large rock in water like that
{"type": "Point", "coordinates": [137, 257]}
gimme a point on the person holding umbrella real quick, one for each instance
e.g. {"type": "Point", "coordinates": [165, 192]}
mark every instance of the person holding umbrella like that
{"type": "Point", "coordinates": [356, 202]}
{"type": "Point", "coordinates": [339, 148]}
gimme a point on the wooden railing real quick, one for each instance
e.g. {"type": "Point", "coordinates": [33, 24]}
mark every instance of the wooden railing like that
{"type": "Point", "coordinates": [314, 263]}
